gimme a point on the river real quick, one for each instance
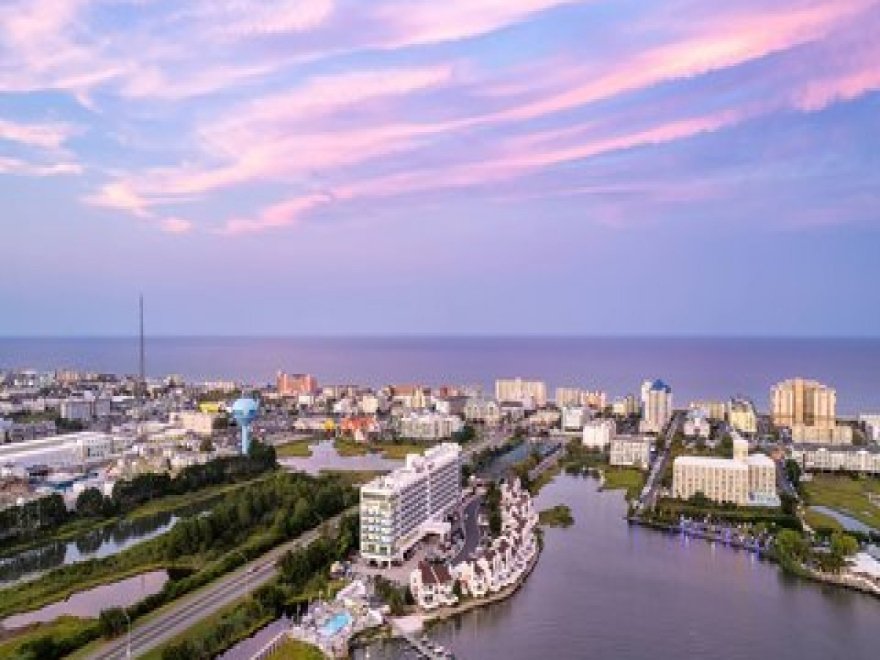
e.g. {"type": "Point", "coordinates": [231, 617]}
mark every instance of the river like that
{"type": "Point", "coordinates": [605, 590]}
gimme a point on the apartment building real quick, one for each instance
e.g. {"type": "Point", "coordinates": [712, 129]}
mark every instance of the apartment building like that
{"type": "Point", "coordinates": [485, 411]}
{"type": "Point", "coordinates": [398, 509]}
{"type": "Point", "coordinates": [803, 401]}
{"type": "Point", "coordinates": [656, 406]}
{"type": "Point", "coordinates": [573, 418]}
{"type": "Point", "coordinates": [742, 416]}
{"type": "Point", "coordinates": [743, 480]}
{"type": "Point", "coordinates": [630, 451]}
{"type": "Point", "coordinates": [295, 384]}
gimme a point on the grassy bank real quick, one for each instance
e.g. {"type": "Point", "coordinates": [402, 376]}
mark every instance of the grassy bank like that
{"type": "Point", "coordinates": [23, 644]}
{"type": "Point", "coordinates": [846, 494]}
{"type": "Point", "coordinates": [390, 450]}
{"type": "Point", "coordinates": [628, 479]}
{"type": "Point", "coordinates": [295, 449]}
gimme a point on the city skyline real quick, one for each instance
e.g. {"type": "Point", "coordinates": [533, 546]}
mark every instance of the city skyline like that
{"type": "Point", "coordinates": [508, 167]}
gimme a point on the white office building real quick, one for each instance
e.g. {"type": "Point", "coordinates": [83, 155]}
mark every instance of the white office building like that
{"type": "Point", "coordinates": [836, 458]}
{"type": "Point", "coordinates": [398, 509]}
{"type": "Point", "coordinates": [598, 433]}
{"type": "Point", "coordinates": [872, 426]}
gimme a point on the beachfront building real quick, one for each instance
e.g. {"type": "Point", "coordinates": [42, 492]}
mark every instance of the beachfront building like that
{"type": "Point", "coordinates": [398, 509]}
{"type": "Point", "coordinates": [295, 384]}
{"type": "Point", "coordinates": [626, 406]}
{"type": "Point", "coordinates": [656, 406]}
{"type": "Point", "coordinates": [575, 396]}
{"type": "Point", "coordinates": [598, 433]}
{"type": "Point", "coordinates": [714, 410]}
{"type": "Point", "coordinates": [835, 458]}
{"type": "Point", "coordinates": [429, 426]}
{"type": "Point", "coordinates": [742, 416]}
{"type": "Point", "coordinates": [630, 451]}
{"type": "Point", "coordinates": [803, 401]}
{"type": "Point", "coordinates": [525, 391]}
{"type": "Point", "coordinates": [432, 586]}
{"type": "Point", "coordinates": [743, 480]}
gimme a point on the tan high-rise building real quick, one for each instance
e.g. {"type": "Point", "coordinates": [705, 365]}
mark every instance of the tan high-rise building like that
{"type": "Point", "coordinates": [517, 389]}
{"type": "Point", "coordinates": [799, 401]}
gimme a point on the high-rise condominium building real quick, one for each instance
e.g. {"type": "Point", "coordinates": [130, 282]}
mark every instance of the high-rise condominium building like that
{"type": "Point", "coordinates": [295, 384]}
{"type": "Point", "coordinates": [398, 509]}
{"type": "Point", "coordinates": [742, 416]}
{"type": "Point", "coordinates": [656, 406]}
{"type": "Point", "coordinates": [517, 389]}
{"type": "Point", "coordinates": [800, 401]}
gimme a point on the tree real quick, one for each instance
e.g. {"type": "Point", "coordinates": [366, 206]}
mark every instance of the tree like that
{"type": "Point", "coordinates": [112, 622]}
{"type": "Point", "coordinates": [206, 445]}
{"type": "Point", "coordinates": [271, 598]}
{"type": "Point", "coordinates": [793, 472]}
{"type": "Point", "coordinates": [90, 503]}
{"type": "Point", "coordinates": [843, 545]}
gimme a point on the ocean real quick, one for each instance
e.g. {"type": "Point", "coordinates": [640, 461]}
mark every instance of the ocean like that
{"type": "Point", "coordinates": [695, 368]}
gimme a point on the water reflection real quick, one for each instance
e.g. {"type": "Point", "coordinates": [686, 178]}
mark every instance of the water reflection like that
{"type": "Point", "coordinates": [88, 604]}
{"type": "Point", "coordinates": [96, 544]}
{"type": "Point", "coordinates": [325, 457]}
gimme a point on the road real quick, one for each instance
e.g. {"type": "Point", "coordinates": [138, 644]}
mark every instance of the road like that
{"type": "Point", "coordinates": [652, 486]}
{"type": "Point", "coordinates": [190, 609]}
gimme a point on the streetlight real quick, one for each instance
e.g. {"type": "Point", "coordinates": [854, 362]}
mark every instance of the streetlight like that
{"type": "Point", "coordinates": [128, 640]}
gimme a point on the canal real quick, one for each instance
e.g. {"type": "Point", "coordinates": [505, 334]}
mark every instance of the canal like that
{"type": "Point", "coordinates": [603, 589]}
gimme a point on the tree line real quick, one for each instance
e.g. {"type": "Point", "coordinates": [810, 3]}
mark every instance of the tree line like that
{"type": "Point", "coordinates": [48, 513]}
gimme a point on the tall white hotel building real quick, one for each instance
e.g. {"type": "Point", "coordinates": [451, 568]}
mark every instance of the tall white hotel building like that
{"type": "Point", "coordinates": [399, 508]}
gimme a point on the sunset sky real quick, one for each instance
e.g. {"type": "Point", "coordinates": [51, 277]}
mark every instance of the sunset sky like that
{"type": "Point", "coordinates": [454, 166]}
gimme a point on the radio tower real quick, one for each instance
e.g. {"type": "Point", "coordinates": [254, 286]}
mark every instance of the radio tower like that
{"type": "Point", "coordinates": [142, 379]}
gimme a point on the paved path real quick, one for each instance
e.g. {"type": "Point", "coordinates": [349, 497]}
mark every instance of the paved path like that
{"type": "Point", "coordinates": [190, 609]}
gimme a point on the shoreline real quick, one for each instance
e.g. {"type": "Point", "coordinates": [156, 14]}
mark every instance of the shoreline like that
{"type": "Point", "coordinates": [851, 583]}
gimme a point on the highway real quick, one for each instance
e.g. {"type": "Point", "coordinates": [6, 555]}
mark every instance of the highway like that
{"type": "Point", "coordinates": [185, 612]}
{"type": "Point", "coordinates": [649, 494]}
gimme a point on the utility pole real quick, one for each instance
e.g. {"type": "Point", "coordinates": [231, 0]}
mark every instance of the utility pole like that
{"type": "Point", "coordinates": [142, 379]}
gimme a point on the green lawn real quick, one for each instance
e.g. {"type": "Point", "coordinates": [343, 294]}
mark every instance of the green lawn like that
{"type": "Point", "coordinates": [392, 450]}
{"type": "Point", "coordinates": [399, 451]}
{"type": "Point", "coordinates": [818, 520]}
{"type": "Point", "coordinates": [292, 649]}
{"type": "Point", "coordinates": [349, 447]}
{"type": "Point", "coordinates": [295, 449]}
{"type": "Point", "coordinates": [629, 479]}
{"type": "Point", "coordinates": [845, 494]}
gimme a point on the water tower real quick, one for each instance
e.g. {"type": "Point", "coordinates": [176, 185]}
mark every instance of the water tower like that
{"type": "Point", "coordinates": [244, 411]}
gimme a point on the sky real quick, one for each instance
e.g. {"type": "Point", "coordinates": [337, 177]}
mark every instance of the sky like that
{"type": "Point", "coordinates": [459, 167]}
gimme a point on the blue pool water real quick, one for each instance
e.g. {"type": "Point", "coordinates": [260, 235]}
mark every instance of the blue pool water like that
{"type": "Point", "coordinates": [336, 623]}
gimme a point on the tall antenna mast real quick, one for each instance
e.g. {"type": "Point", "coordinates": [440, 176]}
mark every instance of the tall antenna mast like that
{"type": "Point", "coordinates": [143, 381]}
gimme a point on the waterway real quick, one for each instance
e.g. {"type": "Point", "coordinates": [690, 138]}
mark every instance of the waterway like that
{"type": "Point", "coordinates": [96, 544]}
{"type": "Point", "coordinates": [604, 589]}
{"type": "Point", "coordinates": [89, 603]}
{"type": "Point", "coordinates": [325, 457]}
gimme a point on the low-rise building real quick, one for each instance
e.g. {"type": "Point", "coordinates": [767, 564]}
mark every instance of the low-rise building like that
{"type": "Point", "coordinates": [743, 480]}
{"type": "Point", "coordinates": [839, 434]}
{"type": "Point", "coordinates": [626, 406]}
{"type": "Point", "coordinates": [697, 425]}
{"type": "Point", "coordinates": [429, 426]}
{"type": "Point", "coordinates": [573, 418]}
{"type": "Point", "coordinates": [836, 458]}
{"type": "Point", "coordinates": [598, 433]}
{"type": "Point", "coordinates": [451, 404]}
{"type": "Point", "coordinates": [200, 423]}
{"type": "Point", "coordinates": [432, 586]}
{"type": "Point", "coordinates": [630, 451]}
{"type": "Point", "coordinates": [484, 411]}
{"type": "Point", "coordinates": [741, 415]}
{"type": "Point", "coordinates": [714, 410]}
{"type": "Point", "coordinates": [872, 426]}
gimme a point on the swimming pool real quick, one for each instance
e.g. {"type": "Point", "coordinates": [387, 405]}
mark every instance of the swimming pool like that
{"type": "Point", "coordinates": [334, 624]}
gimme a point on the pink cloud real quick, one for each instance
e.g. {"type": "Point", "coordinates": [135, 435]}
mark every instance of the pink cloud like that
{"type": "Point", "coordinates": [45, 135]}
{"type": "Point", "coordinates": [176, 225]}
